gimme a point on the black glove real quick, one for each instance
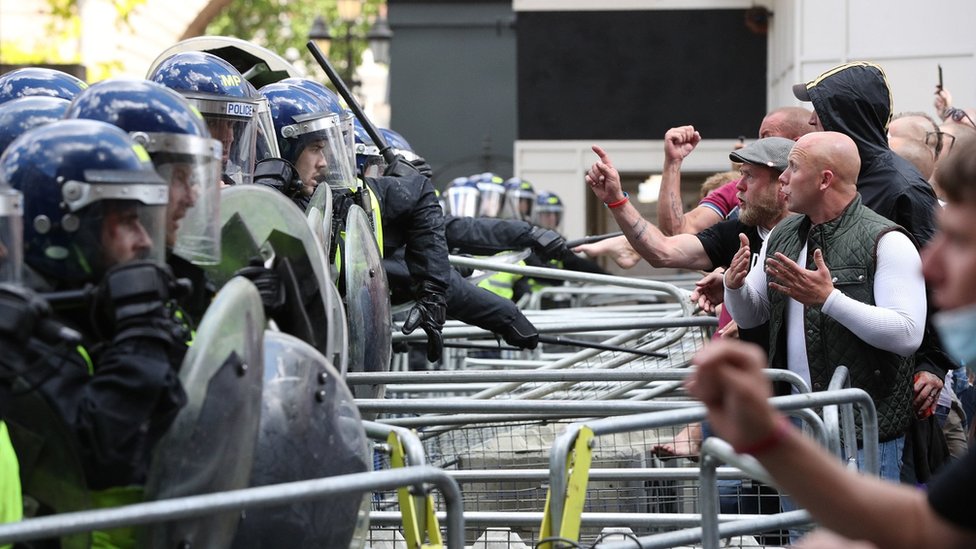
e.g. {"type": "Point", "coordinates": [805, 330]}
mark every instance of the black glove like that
{"type": "Point", "coordinates": [400, 168]}
{"type": "Point", "coordinates": [429, 313]}
{"type": "Point", "coordinates": [279, 174]}
{"type": "Point", "coordinates": [24, 314]}
{"type": "Point", "coordinates": [133, 300]}
{"type": "Point", "coordinates": [268, 284]}
{"type": "Point", "coordinates": [422, 166]}
{"type": "Point", "coordinates": [548, 244]}
{"type": "Point", "coordinates": [521, 333]}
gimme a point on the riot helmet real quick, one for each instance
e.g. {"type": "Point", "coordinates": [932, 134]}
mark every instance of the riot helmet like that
{"type": "Point", "coordinates": [347, 121]}
{"type": "Point", "coordinates": [92, 199]}
{"type": "Point", "coordinates": [216, 89]}
{"type": "Point", "coordinates": [11, 235]}
{"type": "Point", "coordinates": [31, 81]}
{"type": "Point", "coordinates": [462, 197]}
{"type": "Point", "coordinates": [19, 115]}
{"type": "Point", "coordinates": [548, 211]}
{"type": "Point", "coordinates": [308, 137]}
{"type": "Point", "coordinates": [185, 156]}
{"type": "Point", "coordinates": [519, 199]}
{"type": "Point", "coordinates": [492, 191]}
{"type": "Point", "coordinates": [369, 161]}
{"type": "Point", "coordinates": [399, 144]}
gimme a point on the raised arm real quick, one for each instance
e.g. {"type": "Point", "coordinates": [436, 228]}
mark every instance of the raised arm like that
{"type": "Point", "coordinates": [681, 251]}
{"type": "Point", "coordinates": [678, 144]}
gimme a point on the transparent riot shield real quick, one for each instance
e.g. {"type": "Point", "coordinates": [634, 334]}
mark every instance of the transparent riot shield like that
{"type": "Point", "coordinates": [367, 302]}
{"type": "Point", "coordinates": [51, 473]}
{"type": "Point", "coordinates": [310, 428]}
{"type": "Point", "coordinates": [254, 217]}
{"type": "Point", "coordinates": [210, 446]}
{"type": "Point", "coordinates": [319, 216]}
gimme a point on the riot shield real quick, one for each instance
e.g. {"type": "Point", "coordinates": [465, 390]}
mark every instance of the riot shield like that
{"type": "Point", "coordinates": [210, 446]}
{"type": "Point", "coordinates": [51, 473]}
{"type": "Point", "coordinates": [367, 302]}
{"type": "Point", "coordinates": [278, 228]}
{"type": "Point", "coordinates": [319, 216]}
{"type": "Point", "coordinates": [310, 428]}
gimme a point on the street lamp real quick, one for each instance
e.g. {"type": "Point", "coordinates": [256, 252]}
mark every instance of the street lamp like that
{"type": "Point", "coordinates": [378, 36]}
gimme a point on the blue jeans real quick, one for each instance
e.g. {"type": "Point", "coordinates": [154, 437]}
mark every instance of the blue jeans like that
{"type": "Point", "coordinates": [889, 457]}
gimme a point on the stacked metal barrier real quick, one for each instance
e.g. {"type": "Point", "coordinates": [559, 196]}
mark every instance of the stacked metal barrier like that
{"type": "Point", "coordinates": [500, 423]}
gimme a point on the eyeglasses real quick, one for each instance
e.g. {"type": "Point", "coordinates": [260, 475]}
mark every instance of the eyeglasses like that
{"type": "Point", "coordinates": [957, 114]}
{"type": "Point", "coordinates": [938, 140]}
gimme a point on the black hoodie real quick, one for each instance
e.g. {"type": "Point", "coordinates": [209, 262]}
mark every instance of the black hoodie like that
{"type": "Point", "coordinates": [855, 100]}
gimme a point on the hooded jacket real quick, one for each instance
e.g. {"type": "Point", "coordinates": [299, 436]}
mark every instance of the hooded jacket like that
{"type": "Point", "coordinates": [855, 100]}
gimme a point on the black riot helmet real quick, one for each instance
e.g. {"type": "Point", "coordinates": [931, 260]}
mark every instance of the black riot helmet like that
{"type": "Point", "coordinates": [92, 199]}
{"type": "Point", "coordinates": [216, 89]}
{"type": "Point", "coordinates": [31, 81]}
{"type": "Point", "coordinates": [179, 143]}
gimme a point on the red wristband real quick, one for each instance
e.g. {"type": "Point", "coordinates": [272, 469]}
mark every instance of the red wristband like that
{"type": "Point", "coordinates": [620, 202]}
{"type": "Point", "coordinates": [770, 441]}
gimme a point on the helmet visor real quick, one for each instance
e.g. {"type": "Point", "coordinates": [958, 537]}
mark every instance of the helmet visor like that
{"type": "Point", "coordinates": [462, 201]}
{"type": "Point", "coordinates": [518, 204]}
{"type": "Point", "coordinates": [267, 145]}
{"type": "Point", "coordinates": [323, 156]}
{"type": "Point", "coordinates": [11, 235]}
{"type": "Point", "coordinates": [548, 218]}
{"type": "Point", "coordinates": [193, 214]}
{"type": "Point", "coordinates": [129, 231]}
{"type": "Point", "coordinates": [349, 139]}
{"type": "Point", "coordinates": [492, 195]}
{"type": "Point", "coordinates": [235, 125]}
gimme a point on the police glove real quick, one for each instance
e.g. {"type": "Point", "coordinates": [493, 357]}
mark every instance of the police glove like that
{"type": "Point", "coordinates": [429, 313]}
{"type": "Point", "coordinates": [400, 168]}
{"type": "Point", "coordinates": [521, 333]}
{"type": "Point", "coordinates": [24, 314]}
{"type": "Point", "coordinates": [134, 300]}
{"type": "Point", "coordinates": [279, 174]}
{"type": "Point", "coordinates": [268, 283]}
{"type": "Point", "coordinates": [548, 244]}
{"type": "Point", "coordinates": [422, 166]}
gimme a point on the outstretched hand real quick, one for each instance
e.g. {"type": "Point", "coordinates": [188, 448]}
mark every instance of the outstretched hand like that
{"type": "Point", "coordinates": [709, 292]}
{"type": "Point", "coordinates": [810, 288]}
{"type": "Point", "coordinates": [735, 275]}
{"type": "Point", "coordinates": [603, 178]}
{"type": "Point", "coordinates": [617, 248]}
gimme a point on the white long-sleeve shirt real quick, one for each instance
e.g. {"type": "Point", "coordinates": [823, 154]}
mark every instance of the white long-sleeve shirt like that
{"type": "Point", "coordinates": [895, 323]}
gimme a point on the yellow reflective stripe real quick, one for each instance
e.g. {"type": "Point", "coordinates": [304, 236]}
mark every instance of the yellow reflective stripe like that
{"type": "Point", "coordinates": [80, 349]}
{"type": "Point", "coordinates": [11, 502]}
{"type": "Point", "coordinates": [374, 205]}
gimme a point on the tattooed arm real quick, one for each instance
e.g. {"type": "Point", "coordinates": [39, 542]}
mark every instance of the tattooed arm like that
{"type": "Point", "coordinates": [678, 144]}
{"type": "Point", "coordinates": [682, 251]}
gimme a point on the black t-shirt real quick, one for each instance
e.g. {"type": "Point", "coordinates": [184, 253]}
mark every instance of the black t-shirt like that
{"type": "Point", "coordinates": [951, 492]}
{"type": "Point", "coordinates": [721, 242]}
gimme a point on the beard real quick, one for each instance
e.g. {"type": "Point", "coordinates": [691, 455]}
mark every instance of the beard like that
{"type": "Point", "coordinates": [762, 211]}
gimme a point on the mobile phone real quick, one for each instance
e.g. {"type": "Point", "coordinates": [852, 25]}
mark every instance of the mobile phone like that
{"type": "Point", "coordinates": [939, 85]}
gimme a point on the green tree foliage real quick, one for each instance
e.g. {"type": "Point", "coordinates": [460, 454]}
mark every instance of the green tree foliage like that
{"type": "Point", "coordinates": [281, 25]}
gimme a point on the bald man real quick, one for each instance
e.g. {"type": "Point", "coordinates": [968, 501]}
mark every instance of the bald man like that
{"type": "Point", "coordinates": [841, 285]}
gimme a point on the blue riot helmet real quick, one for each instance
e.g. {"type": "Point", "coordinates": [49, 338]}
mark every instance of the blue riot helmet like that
{"type": "Point", "coordinates": [31, 81]}
{"type": "Point", "coordinates": [11, 235]}
{"type": "Point", "coordinates": [92, 199]}
{"type": "Point", "coordinates": [519, 199]}
{"type": "Point", "coordinates": [369, 161]}
{"type": "Point", "coordinates": [492, 191]}
{"type": "Point", "coordinates": [19, 115]}
{"type": "Point", "coordinates": [308, 137]}
{"type": "Point", "coordinates": [399, 144]}
{"type": "Point", "coordinates": [179, 143]}
{"type": "Point", "coordinates": [548, 211]}
{"type": "Point", "coordinates": [462, 197]}
{"type": "Point", "coordinates": [266, 145]}
{"type": "Point", "coordinates": [347, 121]}
{"type": "Point", "coordinates": [216, 89]}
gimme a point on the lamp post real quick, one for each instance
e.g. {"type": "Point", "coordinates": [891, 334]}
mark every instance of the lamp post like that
{"type": "Point", "coordinates": [377, 37]}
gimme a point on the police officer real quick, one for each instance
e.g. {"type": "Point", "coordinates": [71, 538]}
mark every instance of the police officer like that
{"type": "Point", "coordinates": [95, 212]}
{"type": "Point", "coordinates": [224, 98]}
{"type": "Point", "coordinates": [405, 210]}
{"type": "Point", "coordinates": [184, 155]}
